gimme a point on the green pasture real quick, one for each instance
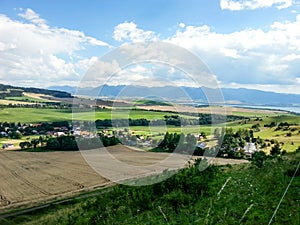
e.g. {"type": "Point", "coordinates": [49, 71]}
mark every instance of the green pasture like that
{"type": "Point", "coordinates": [154, 130]}
{"type": "Point", "coordinates": [151, 102]}
{"type": "Point", "coordinates": [32, 115]}
{"type": "Point", "coordinates": [290, 143]}
{"type": "Point", "coordinates": [35, 115]}
{"type": "Point", "coordinates": [261, 113]}
{"type": "Point", "coordinates": [27, 99]}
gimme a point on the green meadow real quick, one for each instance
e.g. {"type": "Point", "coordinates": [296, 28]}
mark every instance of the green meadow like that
{"type": "Point", "coordinates": [290, 139]}
{"type": "Point", "coordinates": [35, 115]}
{"type": "Point", "coordinates": [27, 99]}
{"type": "Point", "coordinates": [32, 115]}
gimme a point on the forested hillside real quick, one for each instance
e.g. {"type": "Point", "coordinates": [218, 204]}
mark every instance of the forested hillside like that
{"type": "Point", "coordinates": [11, 91]}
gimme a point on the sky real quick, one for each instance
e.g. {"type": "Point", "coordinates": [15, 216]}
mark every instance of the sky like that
{"type": "Point", "coordinates": [244, 43]}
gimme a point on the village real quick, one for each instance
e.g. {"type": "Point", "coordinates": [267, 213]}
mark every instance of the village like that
{"type": "Point", "coordinates": [19, 136]}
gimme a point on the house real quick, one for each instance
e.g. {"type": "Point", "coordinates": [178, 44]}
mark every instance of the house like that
{"type": "Point", "coordinates": [4, 134]}
{"type": "Point", "coordinates": [60, 134]}
{"type": "Point", "coordinates": [77, 132]}
{"type": "Point", "coordinates": [250, 148]}
{"type": "Point", "coordinates": [7, 145]}
{"type": "Point", "coordinates": [201, 145]}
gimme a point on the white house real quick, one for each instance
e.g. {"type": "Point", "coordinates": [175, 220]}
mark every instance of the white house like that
{"type": "Point", "coordinates": [201, 145]}
{"type": "Point", "coordinates": [250, 148]}
{"type": "Point", "coordinates": [60, 134]}
{"type": "Point", "coordinates": [4, 134]}
{"type": "Point", "coordinates": [6, 145]}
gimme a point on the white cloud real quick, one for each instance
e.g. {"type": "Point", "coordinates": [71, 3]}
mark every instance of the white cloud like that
{"type": "Point", "coordinates": [95, 42]}
{"type": "Point", "coordinates": [230, 53]}
{"type": "Point", "coordinates": [181, 25]}
{"type": "Point", "coordinates": [34, 52]}
{"type": "Point", "coordinates": [129, 31]}
{"type": "Point", "coordinates": [85, 64]}
{"type": "Point", "coordinates": [99, 73]}
{"type": "Point", "coordinates": [250, 55]}
{"type": "Point", "coordinates": [236, 5]}
{"type": "Point", "coordinates": [33, 17]}
{"type": "Point", "coordinates": [138, 69]}
{"type": "Point", "coordinates": [291, 57]}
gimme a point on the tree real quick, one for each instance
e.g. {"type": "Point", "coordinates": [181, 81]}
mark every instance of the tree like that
{"type": "Point", "coordinates": [42, 140]}
{"type": "Point", "coordinates": [275, 149]}
{"type": "Point", "coordinates": [53, 143]}
{"type": "Point", "coordinates": [203, 134]}
{"type": "Point", "coordinates": [25, 144]}
{"type": "Point", "coordinates": [35, 142]}
{"type": "Point", "coordinates": [22, 145]}
{"type": "Point", "coordinates": [15, 135]}
{"type": "Point", "coordinates": [258, 158]}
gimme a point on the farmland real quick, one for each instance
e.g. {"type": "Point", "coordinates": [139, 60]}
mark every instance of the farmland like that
{"type": "Point", "coordinates": [254, 117]}
{"type": "Point", "coordinates": [230, 194]}
{"type": "Point", "coordinates": [29, 97]}
{"type": "Point", "coordinates": [33, 177]}
{"type": "Point", "coordinates": [34, 115]}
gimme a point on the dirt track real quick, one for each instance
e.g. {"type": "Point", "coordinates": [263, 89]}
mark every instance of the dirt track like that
{"type": "Point", "coordinates": [31, 177]}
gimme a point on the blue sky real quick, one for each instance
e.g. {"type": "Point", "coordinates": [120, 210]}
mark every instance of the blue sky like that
{"type": "Point", "coordinates": [249, 43]}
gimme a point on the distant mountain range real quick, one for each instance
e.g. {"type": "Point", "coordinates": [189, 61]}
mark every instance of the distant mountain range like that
{"type": "Point", "coordinates": [231, 96]}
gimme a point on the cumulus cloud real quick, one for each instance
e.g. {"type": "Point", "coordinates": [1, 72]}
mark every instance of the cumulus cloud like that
{"type": "Point", "coordinates": [181, 25]}
{"type": "Point", "coordinates": [129, 32]}
{"type": "Point", "coordinates": [233, 53]}
{"type": "Point", "coordinates": [291, 57]}
{"type": "Point", "coordinates": [151, 75]}
{"type": "Point", "coordinates": [85, 64]}
{"type": "Point", "coordinates": [236, 5]}
{"type": "Point", "coordinates": [33, 17]}
{"type": "Point", "coordinates": [247, 56]}
{"type": "Point", "coordinates": [33, 53]}
{"type": "Point", "coordinates": [100, 72]}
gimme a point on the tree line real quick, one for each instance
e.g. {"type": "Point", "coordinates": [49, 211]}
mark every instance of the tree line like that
{"type": "Point", "coordinates": [70, 142]}
{"type": "Point", "coordinates": [174, 120]}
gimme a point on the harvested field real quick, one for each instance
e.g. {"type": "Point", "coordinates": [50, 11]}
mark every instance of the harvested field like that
{"type": "Point", "coordinates": [29, 178]}
{"type": "Point", "coordinates": [228, 110]}
{"type": "Point", "coordinates": [13, 102]}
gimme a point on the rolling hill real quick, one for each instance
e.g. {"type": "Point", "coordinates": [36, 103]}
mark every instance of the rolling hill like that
{"type": "Point", "coordinates": [11, 91]}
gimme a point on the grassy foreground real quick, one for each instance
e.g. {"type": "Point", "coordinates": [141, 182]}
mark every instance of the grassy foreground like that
{"type": "Point", "coordinates": [241, 194]}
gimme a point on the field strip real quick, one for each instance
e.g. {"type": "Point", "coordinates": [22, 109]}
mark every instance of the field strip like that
{"type": "Point", "coordinates": [30, 178]}
{"type": "Point", "coordinates": [15, 174]}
